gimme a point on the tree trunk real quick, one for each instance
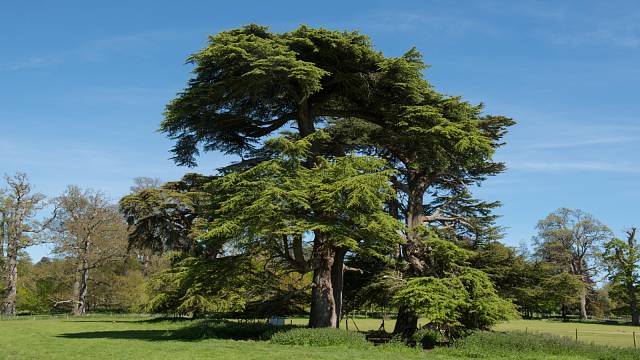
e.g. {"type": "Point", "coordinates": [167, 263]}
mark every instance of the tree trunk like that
{"type": "Point", "coordinates": [583, 304]}
{"type": "Point", "coordinates": [145, 263]}
{"type": "Point", "coordinates": [2, 236]}
{"type": "Point", "coordinates": [323, 305]}
{"type": "Point", "coordinates": [407, 321]}
{"type": "Point", "coordinates": [337, 281]}
{"type": "Point", "coordinates": [80, 306]}
{"type": "Point", "coordinates": [9, 303]}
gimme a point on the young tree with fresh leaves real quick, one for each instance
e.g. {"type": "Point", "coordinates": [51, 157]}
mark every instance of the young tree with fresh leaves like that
{"type": "Point", "coordinates": [622, 259]}
{"type": "Point", "coordinates": [20, 207]}
{"type": "Point", "coordinates": [571, 240]}
{"type": "Point", "coordinates": [92, 232]}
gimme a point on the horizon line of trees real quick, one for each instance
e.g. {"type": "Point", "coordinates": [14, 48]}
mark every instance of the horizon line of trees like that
{"type": "Point", "coordinates": [572, 253]}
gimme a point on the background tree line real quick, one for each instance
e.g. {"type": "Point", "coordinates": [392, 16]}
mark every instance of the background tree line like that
{"type": "Point", "coordinates": [91, 267]}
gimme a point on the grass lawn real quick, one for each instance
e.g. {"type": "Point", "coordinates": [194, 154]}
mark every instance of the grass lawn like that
{"type": "Point", "coordinates": [603, 334]}
{"type": "Point", "coordinates": [102, 337]}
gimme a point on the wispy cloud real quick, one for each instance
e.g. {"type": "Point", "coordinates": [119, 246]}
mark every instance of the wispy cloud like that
{"type": "Point", "coordinates": [417, 20]}
{"type": "Point", "coordinates": [130, 43]}
{"type": "Point", "coordinates": [614, 26]}
{"type": "Point", "coordinates": [100, 49]}
{"type": "Point", "coordinates": [616, 140]}
{"type": "Point", "coordinates": [125, 95]}
{"type": "Point", "coordinates": [32, 63]}
{"type": "Point", "coordinates": [575, 166]}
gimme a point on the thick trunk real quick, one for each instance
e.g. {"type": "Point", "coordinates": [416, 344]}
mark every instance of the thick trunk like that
{"type": "Point", "coordinates": [407, 321]}
{"type": "Point", "coordinates": [305, 119]}
{"type": "Point", "coordinates": [9, 303]}
{"type": "Point", "coordinates": [337, 281]}
{"type": "Point", "coordinates": [323, 305]}
{"type": "Point", "coordinates": [80, 305]}
{"type": "Point", "coordinates": [415, 211]}
{"type": "Point", "coordinates": [583, 304]}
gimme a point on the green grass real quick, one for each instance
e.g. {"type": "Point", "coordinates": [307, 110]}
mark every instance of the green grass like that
{"type": "Point", "coordinates": [602, 334]}
{"type": "Point", "coordinates": [103, 337]}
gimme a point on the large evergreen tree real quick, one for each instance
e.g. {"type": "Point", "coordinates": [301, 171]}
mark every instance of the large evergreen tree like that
{"type": "Point", "coordinates": [251, 82]}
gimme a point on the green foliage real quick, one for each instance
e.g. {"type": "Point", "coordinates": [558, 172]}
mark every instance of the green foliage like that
{"type": "Point", "coordinates": [320, 337]}
{"type": "Point", "coordinates": [249, 82]}
{"type": "Point", "coordinates": [622, 259]}
{"type": "Point", "coordinates": [427, 338]}
{"type": "Point", "coordinates": [242, 285]}
{"type": "Point", "coordinates": [197, 286]}
{"type": "Point", "coordinates": [455, 301]}
{"type": "Point", "coordinates": [161, 219]}
{"type": "Point", "coordinates": [340, 198]}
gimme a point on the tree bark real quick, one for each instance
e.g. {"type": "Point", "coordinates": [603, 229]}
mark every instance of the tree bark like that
{"type": "Point", "coordinates": [407, 320]}
{"type": "Point", "coordinates": [337, 281]}
{"type": "Point", "coordinates": [80, 306]}
{"type": "Point", "coordinates": [406, 323]}
{"type": "Point", "coordinates": [9, 303]}
{"type": "Point", "coordinates": [323, 305]}
{"type": "Point", "coordinates": [583, 304]}
{"type": "Point", "coordinates": [2, 236]}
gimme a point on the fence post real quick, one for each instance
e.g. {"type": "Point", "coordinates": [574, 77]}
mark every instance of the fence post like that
{"type": "Point", "coordinates": [634, 340]}
{"type": "Point", "coordinates": [576, 334]}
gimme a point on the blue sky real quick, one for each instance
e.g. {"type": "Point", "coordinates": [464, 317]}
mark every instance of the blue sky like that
{"type": "Point", "coordinates": [83, 86]}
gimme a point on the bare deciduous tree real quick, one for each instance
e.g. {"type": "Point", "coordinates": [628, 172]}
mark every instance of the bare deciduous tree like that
{"type": "Point", "coordinates": [19, 206]}
{"type": "Point", "coordinates": [91, 231]}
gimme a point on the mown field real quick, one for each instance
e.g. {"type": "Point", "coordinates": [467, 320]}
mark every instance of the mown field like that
{"type": "Point", "coordinates": [103, 337]}
{"type": "Point", "coordinates": [603, 334]}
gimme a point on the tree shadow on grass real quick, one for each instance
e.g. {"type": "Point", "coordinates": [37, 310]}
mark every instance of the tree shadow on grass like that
{"type": "Point", "coordinates": [136, 321]}
{"type": "Point", "coordinates": [201, 331]}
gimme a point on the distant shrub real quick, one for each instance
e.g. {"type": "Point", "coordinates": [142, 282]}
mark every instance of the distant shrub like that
{"type": "Point", "coordinates": [320, 337]}
{"type": "Point", "coordinates": [428, 338]}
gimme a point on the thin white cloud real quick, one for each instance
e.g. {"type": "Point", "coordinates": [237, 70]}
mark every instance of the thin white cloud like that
{"type": "Point", "coordinates": [574, 166]}
{"type": "Point", "coordinates": [99, 49]}
{"type": "Point", "coordinates": [619, 140]}
{"type": "Point", "coordinates": [618, 29]}
{"type": "Point", "coordinates": [125, 95]}
{"type": "Point", "coordinates": [32, 63]}
{"type": "Point", "coordinates": [394, 21]}
{"type": "Point", "coordinates": [130, 43]}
